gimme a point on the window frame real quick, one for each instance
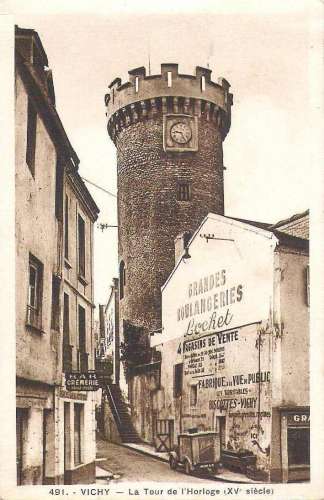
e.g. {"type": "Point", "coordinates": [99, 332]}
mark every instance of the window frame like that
{"type": "Point", "coordinates": [34, 310]}
{"type": "Point", "coordinates": [82, 345]}
{"type": "Point", "coordinates": [293, 444]}
{"type": "Point", "coordinates": [184, 191]}
{"type": "Point", "coordinates": [31, 136]}
{"type": "Point", "coordinates": [193, 395]}
{"type": "Point", "coordinates": [59, 189]}
{"type": "Point", "coordinates": [177, 381]}
{"type": "Point", "coordinates": [81, 246]}
{"type": "Point", "coordinates": [66, 228]}
{"type": "Point", "coordinates": [66, 318]}
{"type": "Point", "coordinates": [55, 312]}
{"type": "Point", "coordinates": [33, 287]}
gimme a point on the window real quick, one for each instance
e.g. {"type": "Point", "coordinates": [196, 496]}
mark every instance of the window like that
{"type": "Point", "coordinates": [78, 415]}
{"type": "Point", "coordinates": [184, 191]}
{"type": "Point", "coordinates": [67, 348]}
{"type": "Point", "coordinates": [82, 339]}
{"type": "Point", "coordinates": [169, 79]}
{"type": "Point", "coordinates": [177, 383]}
{"type": "Point", "coordinates": [66, 319]}
{"type": "Point", "coordinates": [31, 136]}
{"type": "Point", "coordinates": [66, 228]}
{"type": "Point", "coordinates": [122, 279]}
{"type": "Point", "coordinates": [203, 84]}
{"type": "Point", "coordinates": [81, 242]}
{"type": "Point", "coordinates": [59, 191]}
{"type": "Point", "coordinates": [136, 83]}
{"type": "Point", "coordinates": [82, 354]}
{"type": "Point", "coordinates": [298, 446]}
{"type": "Point", "coordinates": [82, 329]}
{"type": "Point", "coordinates": [193, 395]}
{"type": "Point", "coordinates": [35, 292]}
{"type": "Point", "coordinates": [55, 322]}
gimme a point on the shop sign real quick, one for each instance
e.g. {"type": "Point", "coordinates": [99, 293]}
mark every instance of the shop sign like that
{"type": "Point", "coordinates": [72, 395]}
{"type": "Point", "coordinates": [81, 381]}
{"type": "Point", "coordinates": [298, 419]}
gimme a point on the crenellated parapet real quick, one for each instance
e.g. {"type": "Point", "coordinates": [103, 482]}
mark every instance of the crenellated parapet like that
{"type": "Point", "coordinates": [145, 97]}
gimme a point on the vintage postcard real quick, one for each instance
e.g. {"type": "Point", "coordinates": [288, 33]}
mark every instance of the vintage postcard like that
{"type": "Point", "coordinates": [163, 221]}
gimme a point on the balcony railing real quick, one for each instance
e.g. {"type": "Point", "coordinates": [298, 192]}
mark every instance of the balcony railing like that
{"type": "Point", "coordinates": [67, 357]}
{"type": "Point", "coordinates": [83, 361]}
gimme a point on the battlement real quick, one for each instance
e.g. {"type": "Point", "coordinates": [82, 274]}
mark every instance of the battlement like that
{"type": "Point", "coordinates": [170, 83]}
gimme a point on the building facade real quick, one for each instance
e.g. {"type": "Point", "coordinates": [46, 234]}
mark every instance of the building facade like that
{"type": "Point", "coordinates": [77, 410]}
{"type": "Point", "coordinates": [48, 431]}
{"type": "Point", "coordinates": [235, 320]}
{"type": "Point", "coordinates": [168, 131]}
{"type": "Point", "coordinates": [108, 348]}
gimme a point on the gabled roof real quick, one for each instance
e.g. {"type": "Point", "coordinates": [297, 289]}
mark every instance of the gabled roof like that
{"type": "Point", "coordinates": [291, 219]}
{"type": "Point", "coordinates": [263, 228]}
{"type": "Point", "coordinates": [261, 225]}
{"type": "Point", "coordinates": [284, 239]}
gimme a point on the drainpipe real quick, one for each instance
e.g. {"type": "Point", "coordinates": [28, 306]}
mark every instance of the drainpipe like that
{"type": "Point", "coordinates": [180, 426]}
{"type": "Point", "coordinates": [259, 384]}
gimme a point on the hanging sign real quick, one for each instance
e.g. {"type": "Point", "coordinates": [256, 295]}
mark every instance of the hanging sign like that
{"type": "Point", "coordinates": [81, 381]}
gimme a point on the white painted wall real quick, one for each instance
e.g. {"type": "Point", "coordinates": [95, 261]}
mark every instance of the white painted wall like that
{"type": "Point", "coordinates": [246, 262]}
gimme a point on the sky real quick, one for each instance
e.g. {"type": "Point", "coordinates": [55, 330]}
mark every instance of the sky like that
{"type": "Point", "coordinates": [264, 49]}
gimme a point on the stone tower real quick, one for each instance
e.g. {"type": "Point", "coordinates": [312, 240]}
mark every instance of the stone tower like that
{"type": "Point", "coordinates": [168, 130]}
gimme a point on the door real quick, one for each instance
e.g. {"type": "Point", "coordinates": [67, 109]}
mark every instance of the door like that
{"type": "Point", "coordinates": [21, 422]}
{"type": "Point", "coordinates": [66, 438]}
{"type": "Point", "coordinates": [46, 444]}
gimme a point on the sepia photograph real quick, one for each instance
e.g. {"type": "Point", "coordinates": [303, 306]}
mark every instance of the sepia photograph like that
{"type": "Point", "coordinates": [163, 198]}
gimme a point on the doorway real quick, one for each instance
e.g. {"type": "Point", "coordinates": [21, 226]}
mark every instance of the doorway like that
{"type": "Point", "coordinates": [21, 424]}
{"type": "Point", "coordinates": [66, 439]}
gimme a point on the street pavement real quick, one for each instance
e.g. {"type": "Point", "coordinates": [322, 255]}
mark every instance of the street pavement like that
{"type": "Point", "coordinates": [127, 465]}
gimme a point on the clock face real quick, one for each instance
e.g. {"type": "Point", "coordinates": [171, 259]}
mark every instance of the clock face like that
{"type": "Point", "coordinates": [181, 132]}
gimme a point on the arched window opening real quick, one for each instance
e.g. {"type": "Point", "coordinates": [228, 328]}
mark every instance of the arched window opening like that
{"type": "Point", "coordinates": [203, 84]}
{"type": "Point", "coordinates": [169, 78]}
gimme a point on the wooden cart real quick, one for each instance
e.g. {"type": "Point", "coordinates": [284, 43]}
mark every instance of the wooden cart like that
{"type": "Point", "coordinates": [199, 450]}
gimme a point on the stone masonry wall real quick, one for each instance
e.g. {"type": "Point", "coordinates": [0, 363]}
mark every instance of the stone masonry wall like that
{"type": "Point", "coordinates": [150, 217]}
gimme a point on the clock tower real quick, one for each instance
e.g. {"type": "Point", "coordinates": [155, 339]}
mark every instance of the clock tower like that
{"type": "Point", "coordinates": [168, 130]}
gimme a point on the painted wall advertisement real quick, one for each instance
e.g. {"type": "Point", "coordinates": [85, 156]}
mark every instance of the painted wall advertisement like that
{"type": "Point", "coordinates": [231, 373]}
{"type": "Point", "coordinates": [222, 286]}
{"type": "Point", "coordinates": [216, 304]}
